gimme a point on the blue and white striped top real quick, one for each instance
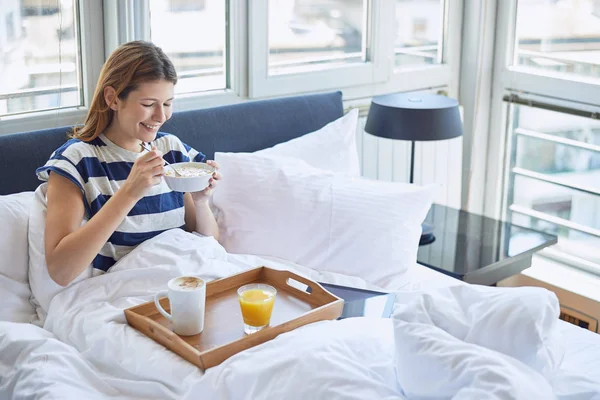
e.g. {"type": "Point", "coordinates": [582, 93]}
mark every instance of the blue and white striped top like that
{"type": "Point", "coordinates": [100, 167]}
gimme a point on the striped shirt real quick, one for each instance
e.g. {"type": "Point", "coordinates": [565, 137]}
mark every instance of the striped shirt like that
{"type": "Point", "coordinates": [99, 168]}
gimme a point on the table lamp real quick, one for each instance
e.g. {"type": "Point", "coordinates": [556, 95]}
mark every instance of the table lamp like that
{"type": "Point", "coordinates": [414, 117]}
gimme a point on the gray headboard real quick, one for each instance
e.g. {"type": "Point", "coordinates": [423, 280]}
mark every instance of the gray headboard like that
{"type": "Point", "coordinates": [242, 127]}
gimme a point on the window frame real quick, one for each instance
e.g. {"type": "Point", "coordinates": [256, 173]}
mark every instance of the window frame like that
{"type": "Point", "coordinates": [236, 65]}
{"type": "Point", "coordinates": [555, 89]}
{"type": "Point", "coordinates": [105, 25]}
{"type": "Point", "coordinates": [446, 73]}
{"type": "Point", "coordinates": [382, 77]}
{"type": "Point", "coordinates": [513, 79]}
{"type": "Point", "coordinates": [130, 20]}
{"type": "Point", "coordinates": [91, 31]}
{"type": "Point", "coordinates": [261, 84]}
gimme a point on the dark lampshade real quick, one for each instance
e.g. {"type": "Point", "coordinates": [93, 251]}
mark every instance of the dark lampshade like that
{"type": "Point", "coordinates": [414, 116]}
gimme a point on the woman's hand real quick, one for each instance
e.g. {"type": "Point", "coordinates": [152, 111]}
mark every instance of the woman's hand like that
{"type": "Point", "coordinates": [205, 194]}
{"type": "Point", "coordinates": [147, 171]}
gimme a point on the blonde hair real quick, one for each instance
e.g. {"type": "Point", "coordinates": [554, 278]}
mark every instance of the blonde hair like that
{"type": "Point", "coordinates": [130, 65]}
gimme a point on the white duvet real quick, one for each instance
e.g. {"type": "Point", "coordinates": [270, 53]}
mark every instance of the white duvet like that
{"type": "Point", "coordinates": [463, 342]}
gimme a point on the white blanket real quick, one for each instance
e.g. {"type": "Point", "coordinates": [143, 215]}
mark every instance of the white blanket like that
{"type": "Point", "coordinates": [35, 365]}
{"type": "Point", "coordinates": [478, 343]}
{"type": "Point", "coordinates": [463, 342]}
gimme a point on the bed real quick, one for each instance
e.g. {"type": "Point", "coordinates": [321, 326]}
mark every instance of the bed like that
{"type": "Point", "coordinates": [282, 159]}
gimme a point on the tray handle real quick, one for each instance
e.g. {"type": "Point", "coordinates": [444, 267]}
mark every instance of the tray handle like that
{"type": "Point", "coordinates": [316, 290]}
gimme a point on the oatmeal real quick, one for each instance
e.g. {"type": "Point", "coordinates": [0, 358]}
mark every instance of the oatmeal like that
{"type": "Point", "coordinates": [187, 171]}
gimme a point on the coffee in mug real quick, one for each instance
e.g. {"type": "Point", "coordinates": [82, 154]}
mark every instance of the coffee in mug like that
{"type": "Point", "coordinates": [187, 296]}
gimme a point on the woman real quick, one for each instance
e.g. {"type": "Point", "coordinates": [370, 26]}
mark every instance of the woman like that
{"type": "Point", "coordinates": [125, 200]}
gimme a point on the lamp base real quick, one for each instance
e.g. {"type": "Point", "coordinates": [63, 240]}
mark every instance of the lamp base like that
{"type": "Point", "coordinates": [426, 234]}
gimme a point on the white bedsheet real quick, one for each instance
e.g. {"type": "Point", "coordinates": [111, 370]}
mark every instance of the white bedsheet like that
{"type": "Point", "coordinates": [89, 351]}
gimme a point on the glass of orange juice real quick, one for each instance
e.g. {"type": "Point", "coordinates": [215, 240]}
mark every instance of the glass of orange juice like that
{"type": "Point", "coordinates": [256, 302]}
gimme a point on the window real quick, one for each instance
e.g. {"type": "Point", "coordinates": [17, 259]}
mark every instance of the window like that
{"type": "Point", "coordinates": [224, 51]}
{"type": "Point", "coordinates": [543, 160]}
{"type": "Point", "coordinates": [306, 35]}
{"type": "Point", "coordinates": [358, 46]}
{"type": "Point", "coordinates": [299, 46]}
{"type": "Point", "coordinates": [40, 63]}
{"type": "Point", "coordinates": [197, 49]}
{"type": "Point", "coordinates": [558, 36]}
{"type": "Point", "coordinates": [419, 32]}
{"type": "Point", "coordinates": [554, 177]}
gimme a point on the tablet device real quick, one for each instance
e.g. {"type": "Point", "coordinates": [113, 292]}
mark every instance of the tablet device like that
{"type": "Point", "coordinates": [362, 302]}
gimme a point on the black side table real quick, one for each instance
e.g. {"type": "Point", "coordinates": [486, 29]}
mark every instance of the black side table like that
{"type": "Point", "coordinates": [478, 249]}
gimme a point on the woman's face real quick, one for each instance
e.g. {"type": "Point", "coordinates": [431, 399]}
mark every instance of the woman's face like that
{"type": "Point", "coordinates": [141, 114]}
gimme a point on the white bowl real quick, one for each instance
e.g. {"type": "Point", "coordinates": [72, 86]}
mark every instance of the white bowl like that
{"type": "Point", "coordinates": [186, 184]}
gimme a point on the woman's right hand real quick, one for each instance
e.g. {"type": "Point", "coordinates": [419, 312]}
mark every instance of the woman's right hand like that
{"type": "Point", "coordinates": [147, 171]}
{"type": "Point", "coordinates": [64, 233]}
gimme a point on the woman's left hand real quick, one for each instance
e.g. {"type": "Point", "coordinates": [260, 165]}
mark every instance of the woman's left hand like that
{"type": "Point", "coordinates": [205, 194]}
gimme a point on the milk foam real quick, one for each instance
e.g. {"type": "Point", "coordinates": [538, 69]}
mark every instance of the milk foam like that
{"type": "Point", "coordinates": [187, 283]}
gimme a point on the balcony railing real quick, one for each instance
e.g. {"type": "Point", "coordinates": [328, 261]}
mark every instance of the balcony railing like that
{"type": "Point", "coordinates": [529, 200]}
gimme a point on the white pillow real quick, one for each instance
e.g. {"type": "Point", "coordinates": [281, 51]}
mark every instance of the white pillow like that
{"type": "Point", "coordinates": [14, 286]}
{"type": "Point", "coordinates": [332, 147]}
{"type": "Point", "coordinates": [42, 285]}
{"type": "Point", "coordinates": [14, 218]}
{"type": "Point", "coordinates": [283, 207]}
{"type": "Point", "coordinates": [15, 301]}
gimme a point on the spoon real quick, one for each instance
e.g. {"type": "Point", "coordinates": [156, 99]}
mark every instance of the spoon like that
{"type": "Point", "coordinates": [166, 162]}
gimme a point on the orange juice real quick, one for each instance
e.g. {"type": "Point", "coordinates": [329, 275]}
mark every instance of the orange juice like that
{"type": "Point", "coordinates": [257, 305]}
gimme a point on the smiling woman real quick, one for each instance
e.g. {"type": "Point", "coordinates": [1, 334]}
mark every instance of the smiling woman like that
{"type": "Point", "coordinates": [139, 115]}
{"type": "Point", "coordinates": [139, 69]}
{"type": "Point", "coordinates": [125, 199]}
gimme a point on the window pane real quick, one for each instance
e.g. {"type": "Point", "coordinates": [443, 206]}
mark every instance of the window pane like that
{"type": "Point", "coordinates": [565, 204]}
{"type": "Point", "coordinates": [564, 148]}
{"type": "Point", "coordinates": [557, 201]}
{"type": "Point", "coordinates": [549, 157]}
{"type": "Point", "coordinates": [559, 160]}
{"type": "Point", "coordinates": [559, 35]}
{"type": "Point", "coordinates": [419, 32]}
{"type": "Point", "coordinates": [197, 46]}
{"type": "Point", "coordinates": [307, 35]}
{"type": "Point", "coordinates": [39, 56]}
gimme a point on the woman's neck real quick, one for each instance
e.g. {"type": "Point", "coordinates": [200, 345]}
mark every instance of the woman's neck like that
{"type": "Point", "coordinates": [122, 140]}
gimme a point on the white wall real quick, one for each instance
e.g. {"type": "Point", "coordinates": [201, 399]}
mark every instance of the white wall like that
{"type": "Point", "coordinates": [435, 162]}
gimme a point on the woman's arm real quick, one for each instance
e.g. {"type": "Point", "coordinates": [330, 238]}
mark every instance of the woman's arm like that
{"type": "Point", "coordinates": [198, 215]}
{"type": "Point", "coordinates": [190, 212]}
{"type": "Point", "coordinates": [70, 247]}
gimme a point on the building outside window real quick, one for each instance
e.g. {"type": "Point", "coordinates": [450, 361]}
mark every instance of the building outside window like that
{"type": "Point", "coordinates": [199, 55]}
{"type": "Point", "coordinates": [39, 60]}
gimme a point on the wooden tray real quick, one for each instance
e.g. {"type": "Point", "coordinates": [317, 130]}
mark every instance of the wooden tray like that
{"type": "Point", "coordinates": [223, 334]}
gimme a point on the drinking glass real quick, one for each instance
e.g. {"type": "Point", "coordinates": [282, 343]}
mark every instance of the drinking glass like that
{"type": "Point", "coordinates": [256, 303]}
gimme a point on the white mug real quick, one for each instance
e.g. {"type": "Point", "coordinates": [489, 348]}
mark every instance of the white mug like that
{"type": "Point", "coordinates": [187, 296]}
